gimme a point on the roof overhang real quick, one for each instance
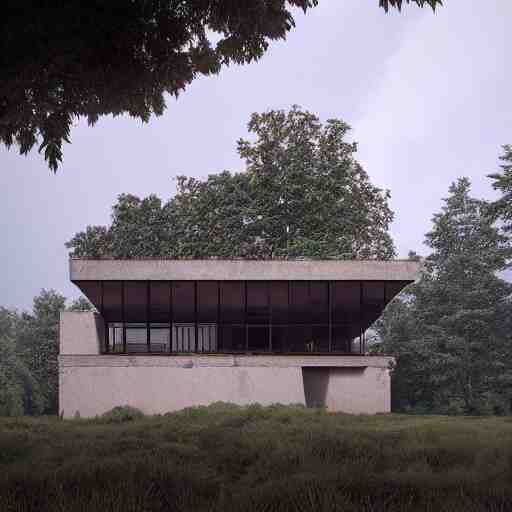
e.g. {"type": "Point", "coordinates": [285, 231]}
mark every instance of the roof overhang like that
{"type": "Point", "coordinates": [242, 270]}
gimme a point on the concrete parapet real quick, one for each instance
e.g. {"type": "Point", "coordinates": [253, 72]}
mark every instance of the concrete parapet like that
{"type": "Point", "coordinates": [227, 360]}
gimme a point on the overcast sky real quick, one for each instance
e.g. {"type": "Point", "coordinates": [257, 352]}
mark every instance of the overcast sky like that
{"type": "Point", "coordinates": [428, 97]}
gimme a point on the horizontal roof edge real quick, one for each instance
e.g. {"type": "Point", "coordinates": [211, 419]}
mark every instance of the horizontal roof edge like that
{"type": "Point", "coordinates": [214, 258]}
{"type": "Point", "coordinates": [90, 269]}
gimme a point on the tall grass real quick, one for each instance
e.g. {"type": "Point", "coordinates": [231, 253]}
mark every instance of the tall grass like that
{"type": "Point", "coordinates": [228, 458]}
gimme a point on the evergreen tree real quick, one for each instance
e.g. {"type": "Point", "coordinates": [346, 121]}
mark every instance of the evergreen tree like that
{"type": "Point", "coordinates": [453, 341]}
{"type": "Point", "coordinates": [502, 208]}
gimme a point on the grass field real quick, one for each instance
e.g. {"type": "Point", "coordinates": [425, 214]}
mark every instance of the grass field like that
{"type": "Point", "coordinates": [227, 458]}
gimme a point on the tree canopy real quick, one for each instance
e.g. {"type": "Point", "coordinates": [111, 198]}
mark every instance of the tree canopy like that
{"type": "Point", "coordinates": [452, 334]}
{"type": "Point", "coordinates": [77, 59]}
{"type": "Point", "coordinates": [29, 345]}
{"type": "Point", "coordinates": [302, 194]}
{"type": "Point", "coordinates": [502, 207]}
{"type": "Point", "coordinates": [386, 4]}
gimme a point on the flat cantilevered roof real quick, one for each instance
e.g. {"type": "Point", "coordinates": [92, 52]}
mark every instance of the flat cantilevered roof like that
{"type": "Point", "coordinates": [156, 269]}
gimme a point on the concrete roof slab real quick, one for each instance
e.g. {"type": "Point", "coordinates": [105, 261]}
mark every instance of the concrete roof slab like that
{"type": "Point", "coordinates": [242, 270]}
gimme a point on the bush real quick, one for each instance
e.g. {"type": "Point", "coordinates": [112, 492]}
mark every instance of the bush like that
{"type": "Point", "coordinates": [121, 414]}
{"type": "Point", "coordinates": [253, 458]}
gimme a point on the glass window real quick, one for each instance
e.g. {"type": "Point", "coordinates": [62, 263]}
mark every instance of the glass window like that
{"type": "Point", "coordinates": [279, 338]}
{"type": "Point", "coordinates": [183, 301]}
{"type": "Point", "coordinates": [319, 302]}
{"type": "Point", "coordinates": [207, 301]}
{"type": "Point", "coordinates": [112, 301]}
{"type": "Point", "coordinates": [299, 338]}
{"type": "Point", "coordinates": [135, 301]}
{"type": "Point", "coordinates": [160, 297]}
{"type": "Point", "coordinates": [232, 338]}
{"type": "Point", "coordinates": [346, 297]}
{"type": "Point", "coordinates": [373, 294]}
{"type": "Point", "coordinates": [115, 337]}
{"type": "Point", "coordinates": [343, 337]}
{"type": "Point", "coordinates": [207, 338]}
{"type": "Point", "coordinates": [320, 338]}
{"type": "Point", "coordinates": [257, 302]}
{"type": "Point", "coordinates": [232, 302]}
{"type": "Point", "coordinates": [183, 337]}
{"type": "Point", "coordinates": [159, 337]}
{"type": "Point", "coordinates": [258, 338]}
{"type": "Point", "coordinates": [299, 302]}
{"type": "Point", "coordinates": [279, 301]}
{"type": "Point", "coordinates": [373, 302]}
{"type": "Point", "coordinates": [136, 337]}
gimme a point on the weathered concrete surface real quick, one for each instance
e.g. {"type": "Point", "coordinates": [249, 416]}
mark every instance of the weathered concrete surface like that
{"type": "Point", "coordinates": [92, 384]}
{"type": "Point", "coordinates": [351, 390]}
{"type": "Point", "coordinates": [81, 333]}
{"type": "Point", "coordinates": [236, 270]}
{"type": "Point", "coordinates": [359, 390]}
{"type": "Point", "coordinates": [159, 389]}
{"type": "Point", "coordinates": [226, 361]}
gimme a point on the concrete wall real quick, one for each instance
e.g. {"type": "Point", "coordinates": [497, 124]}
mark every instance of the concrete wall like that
{"type": "Point", "coordinates": [359, 390]}
{"type": "Point", "coordinates": [91, 384]}
{"type": "Point", "coordinates": [162, 269]}
{"type": "Point", "coordinates": [159, 389]}
{"type": "Point", "coordinates": [81, 333]}
{"type": "Point", "coordinates": [355, 390]}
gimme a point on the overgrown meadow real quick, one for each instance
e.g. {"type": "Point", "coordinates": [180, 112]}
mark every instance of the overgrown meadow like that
{"type": "Point", "coordinates": [279, 458]}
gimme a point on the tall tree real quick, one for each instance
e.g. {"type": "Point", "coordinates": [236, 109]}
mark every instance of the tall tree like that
{"type": "Point", "coordinates": [29, 347]}
{"type": "Point", "coordinates": [38, 344]}
{"type": "Point", "coordinates": [303, 194]}
{"type": "Point", "coordinates": [309, 196]}
{"type": "Point", "coordinates": [11, 388]}
{"type": "Point", "coordinates": [456, 352]}
{"type": "Point", "coordinates": [76, 59]}
{"type": "Point", "coordinates": [19, 391]}
{"type": "Point", "coordinates": [502, 207]}
{"type": "Point", "coordinates": [140, 227]}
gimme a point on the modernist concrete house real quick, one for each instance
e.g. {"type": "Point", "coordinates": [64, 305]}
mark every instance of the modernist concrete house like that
{"type": "Point", "coordinates": [174, 333]}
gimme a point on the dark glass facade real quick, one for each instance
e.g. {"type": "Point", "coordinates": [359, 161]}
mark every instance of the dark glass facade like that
{"type": "Point", "coordinates": [172, 317]}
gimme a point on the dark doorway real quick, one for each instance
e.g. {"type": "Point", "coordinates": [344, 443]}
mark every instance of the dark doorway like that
{"type": "Point", "coordinates": [316, 381]}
